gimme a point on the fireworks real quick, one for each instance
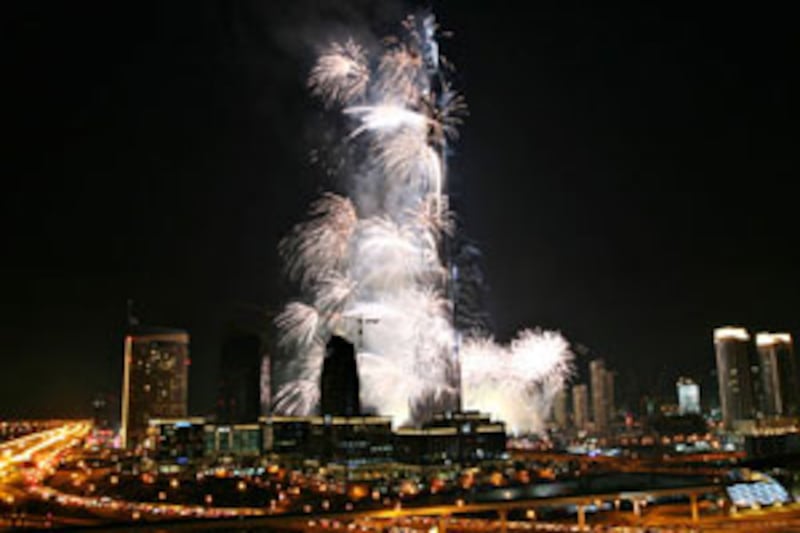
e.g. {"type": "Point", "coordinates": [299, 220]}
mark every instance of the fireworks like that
{"type": "Point", "coordinates": [517, 381]}
{"type": "Point", "coordinates": [341, 74]}
{"type": "Point", "coordinates": [370, 262]}
{"type": "Point", "coordinates": [321, 245]}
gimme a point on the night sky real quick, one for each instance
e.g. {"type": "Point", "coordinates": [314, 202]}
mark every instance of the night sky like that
{"type": "Point", "coordinates": [628, 173]}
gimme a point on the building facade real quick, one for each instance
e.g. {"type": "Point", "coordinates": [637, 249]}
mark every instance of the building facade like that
{"type": "Point", "coordinates": [688, 396]}
{"type": "Point", "coordinates": [600, 405]}
{"type": "Point", "coordinates": [464, 437]}
{"type": "Point", "coordinates": [467, 437]}
{"type": "Point", "coordinates": [734, 375]}
{"type": "Point", "coordinates": [580, 407]}
{"type": "Point", "coordinates": [175, 443]}
{"type": "Point", "coordinates": [560, 413]}
{"type": "Point", "coordinates": [779, 381]}
{"type": "Point", "coordinates": [155, 380]}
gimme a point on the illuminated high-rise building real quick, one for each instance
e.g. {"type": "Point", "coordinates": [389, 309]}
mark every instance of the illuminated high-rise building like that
{"type": "Point", "coordinates": [155, 380]}
{"type": "Point", "coordinates": [560, 408]}
{"type": "Point", "coordinates": [779, 383]}
{"type": "Point", "coordinates": [580, 406]}
{"type": "Point", "coordinates": [600, 406]}
{"type": "Point", "coordinates": [734, 374]}
{"type": "Point", "coordinates": [688, 397]}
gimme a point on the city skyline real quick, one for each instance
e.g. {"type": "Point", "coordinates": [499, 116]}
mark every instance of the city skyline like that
{"type": "Point", "coordinates": [165, 166]}
{"type": "Point", "coordinates": [263, 276]}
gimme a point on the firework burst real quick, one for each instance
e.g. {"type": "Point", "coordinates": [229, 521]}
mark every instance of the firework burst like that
{"type": "Point", "coordinates": [376, 256]}
{"type": "Point", "coordinates": [341, 74]}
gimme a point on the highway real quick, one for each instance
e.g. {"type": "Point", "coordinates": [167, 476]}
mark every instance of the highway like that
{"type": "Point", "coordinates": [442, 515]}
{"type": "Point", "coordinates": [27, 459]}
{"type": "Point", "coordinates": [38, 447]}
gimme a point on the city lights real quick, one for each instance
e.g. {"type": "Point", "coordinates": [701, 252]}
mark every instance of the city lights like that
{"type": "Point", "coordinates": [515, 322]}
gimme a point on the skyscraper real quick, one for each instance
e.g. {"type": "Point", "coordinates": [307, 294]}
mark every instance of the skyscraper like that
{"type": "Point", "coordinates": [560, 408]}
{"type": "Point", "coordinates": [339, 383]}
{"type": "Point", "coordinates": [688, 396]}
{"type": "Point", "coordinates": [597, 374]}
{"type": "Point", "coordinates": [580, 406]}
{"type": "Point", "coordinates": [733, 372]}
{"type": "Point", "coordinates": [155, 379]}
{"type": "Point", "coordinates": [239, 399]}
{"type": "Point", "coordinates": [779, 381]}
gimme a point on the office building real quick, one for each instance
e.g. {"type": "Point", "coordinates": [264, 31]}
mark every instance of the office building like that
{"type": "Point", "coordinates": [688, 397]}
{"type": "Point", "coordinates": [466, 437]}
{"type": "Point", "coordinates": [176, 442]}
{"type": "Point", "coordinates": [339, 388]}
{"type": "Point", "coordinates": [239, 399]}
{"type": "Point", "coordinates": [599, 386]}
{"type": "Point", "coordinates": [352, 440]}
{"type": "Point", "coordinates": [339, 439]}
{"type": "Point", "coordinates": [234, 441]}
{"type": "Point", "coordinates": [560, 408]}
{"type": "Point", "coordinates": [734, 374]}
{"type": "Point", "coordinates": [155, 380]}
{"type": "Point", "coordinates": [779, 381]}
{"type": "Point", "coordinates": [580, 407]}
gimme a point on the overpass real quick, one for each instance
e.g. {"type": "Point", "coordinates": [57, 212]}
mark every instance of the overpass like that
{"type": "Point", "coordinates": [444, 511]}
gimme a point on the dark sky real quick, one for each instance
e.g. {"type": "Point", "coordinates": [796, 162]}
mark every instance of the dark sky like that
{"type": "Point", "coordinates": [628, 173]}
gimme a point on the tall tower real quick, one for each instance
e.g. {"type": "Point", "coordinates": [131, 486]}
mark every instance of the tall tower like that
{"type": "Point", "coordinates": [580, 406]}
{"type": "Point", "coordinates": [437, 97]}
{"type": "Point", "coordinates": [778, 373]}
{"type": "Point", "coordinates": [597, 374]}
{"type": "Point", "coordinates": [560, 408]}
{"type": "Point", "coordinates": [155, 380]}
{"type": "Point", "coordinates": [733, 371]}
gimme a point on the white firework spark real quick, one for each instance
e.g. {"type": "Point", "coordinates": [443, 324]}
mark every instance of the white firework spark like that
{"type": "Point", "coordinates": [386, 118]}
{"type": "Point", "coordinates": [299, 324]}
{"type": "Point", "coordinates": [411, 163]}
{"type": "Point", "coordinates": [320, 246]}
{"type": "Point", "coordinates": [370, 263]}
{"type": "Point", "coordinates": [332, 295]}
{"type": "Point", "coordinates": [518, 380]}
{"type": "Point", "coordinates": [388, 256]}
{"type": "Point", "coordinates": [341, 74]}
{"type": "Point", "coordinates": [401, 76]}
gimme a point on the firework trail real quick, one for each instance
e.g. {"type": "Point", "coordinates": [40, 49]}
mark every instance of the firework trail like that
{"type": "Point", "coordinates": [378, 255]}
